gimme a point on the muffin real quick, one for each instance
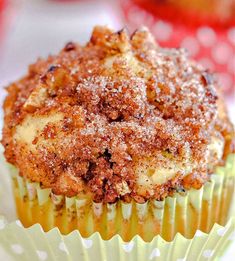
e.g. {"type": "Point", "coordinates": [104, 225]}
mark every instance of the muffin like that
{"type": "Point", "coordinates": [197, 12]}
{"type": "Point", "coordinates": [220, 11]}
{"type": "Point", "coordinates": [119, 136]}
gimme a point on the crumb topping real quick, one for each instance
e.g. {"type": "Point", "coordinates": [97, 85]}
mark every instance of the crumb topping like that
{"type": "Point", "coordinates": [118, 118]}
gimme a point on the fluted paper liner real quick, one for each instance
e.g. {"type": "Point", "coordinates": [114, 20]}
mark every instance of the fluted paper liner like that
{"type": "Point", "coordinates": [180, 219]}
{"type": "Point", "coordinates": [184, 213]}
{"type": "Point", "coordinates": [34, 244]}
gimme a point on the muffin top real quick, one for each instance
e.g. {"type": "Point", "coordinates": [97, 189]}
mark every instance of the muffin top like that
{"type": "Point", "coordinates": [118, 118]}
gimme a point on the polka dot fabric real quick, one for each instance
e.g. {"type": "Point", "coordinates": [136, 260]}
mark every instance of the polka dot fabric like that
{"type": "Point", "coordinates": [213, 47]}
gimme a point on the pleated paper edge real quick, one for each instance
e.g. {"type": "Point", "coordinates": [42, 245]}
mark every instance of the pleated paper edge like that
{"type": "Point", "coordinates": [203, 246]}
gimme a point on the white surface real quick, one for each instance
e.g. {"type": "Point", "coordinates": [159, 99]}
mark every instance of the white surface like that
{"type": "Point", "coordinates": [41, 27]}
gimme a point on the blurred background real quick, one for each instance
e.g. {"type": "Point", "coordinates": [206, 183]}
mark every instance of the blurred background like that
{"type": "Point", "coordinates": [33, 28]}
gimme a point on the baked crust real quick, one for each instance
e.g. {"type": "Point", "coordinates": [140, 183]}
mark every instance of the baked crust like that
{"type": "Point", "coordinates": [117, 118]}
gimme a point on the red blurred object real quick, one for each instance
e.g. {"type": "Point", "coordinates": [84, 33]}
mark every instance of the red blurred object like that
{"type": "Point", "coordinates": [209, 38]}
{"type": "Point", "coordinates": [2, 2]}
{"type": "Point", "coordinates": [2, 8]}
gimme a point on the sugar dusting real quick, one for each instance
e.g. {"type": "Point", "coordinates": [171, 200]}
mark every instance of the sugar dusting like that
{"type": "Point", "coordinates": [124, 100]}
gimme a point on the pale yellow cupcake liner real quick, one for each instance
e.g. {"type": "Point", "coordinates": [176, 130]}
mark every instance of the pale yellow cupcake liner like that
{"type": "Point", "coordinates": [184, 212]}
{"type": "Point", "coordinates": [34, 244]}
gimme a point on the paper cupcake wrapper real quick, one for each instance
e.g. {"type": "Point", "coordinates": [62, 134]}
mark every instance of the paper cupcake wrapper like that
{"type": "Point", "coordinates": [196, 209]}
{"type": "Point", "coordinates": [32, 243]}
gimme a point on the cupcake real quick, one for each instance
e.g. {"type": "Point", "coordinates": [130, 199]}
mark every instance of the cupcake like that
{"type": "Point", "coordinates": [222, 10]}
{"type": "Point", "coordinates": [195, 12]}
{"type": "Point", "coordinates": [120, 137]}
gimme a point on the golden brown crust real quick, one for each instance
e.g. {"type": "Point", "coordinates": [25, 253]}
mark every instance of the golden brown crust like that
{"type": "Point", "coordinates": [86, 120]}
